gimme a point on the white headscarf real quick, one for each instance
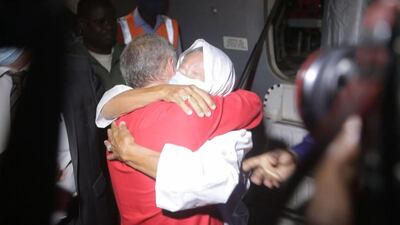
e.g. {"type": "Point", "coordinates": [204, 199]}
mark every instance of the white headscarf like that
{"type": "Point", "coordinates": [219, 77]}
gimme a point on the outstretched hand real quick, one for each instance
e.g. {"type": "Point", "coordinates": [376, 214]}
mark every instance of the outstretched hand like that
{"type": "Point", "coordinates": [271, 168]}
{"type": "Point", "coordinates": [183, 95]}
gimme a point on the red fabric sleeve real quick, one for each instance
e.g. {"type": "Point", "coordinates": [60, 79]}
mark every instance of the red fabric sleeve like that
{"type": "Point", "coordinates": [240, 110]}
{"type": "Point", "coordinates": [162, 122]}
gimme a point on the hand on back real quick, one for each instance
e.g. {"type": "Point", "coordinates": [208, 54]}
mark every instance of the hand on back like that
{"type": "Point", "coordinates": [189, 95]}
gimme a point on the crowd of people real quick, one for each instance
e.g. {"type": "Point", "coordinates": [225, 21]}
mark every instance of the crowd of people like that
{"type": "Point", "coordinates": [178, 134]}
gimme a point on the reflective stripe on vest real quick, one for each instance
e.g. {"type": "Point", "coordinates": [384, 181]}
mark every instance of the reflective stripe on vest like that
{"type": "Point", "coordinates": [170, 30]}
{"type": "Point", "coordinates": [125, 30]}
{"type": "Point", "coordinates": [129, 29]}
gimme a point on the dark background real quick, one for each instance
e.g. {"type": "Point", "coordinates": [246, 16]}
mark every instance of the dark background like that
{"type": "Point", "coordinates": [27, 168]}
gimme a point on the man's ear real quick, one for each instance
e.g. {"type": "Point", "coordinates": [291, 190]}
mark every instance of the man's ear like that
{"type": "Point", "coordinates": [170, 66]}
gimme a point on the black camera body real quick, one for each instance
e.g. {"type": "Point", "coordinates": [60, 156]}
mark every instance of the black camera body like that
{"type": "Point", "coordinates": [364, 80]}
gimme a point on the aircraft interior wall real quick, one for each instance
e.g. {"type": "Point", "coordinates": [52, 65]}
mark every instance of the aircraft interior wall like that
{"type": "Point", "coordinates": [214, 19]}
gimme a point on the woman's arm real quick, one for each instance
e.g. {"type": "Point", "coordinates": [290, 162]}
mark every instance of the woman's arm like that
{"type": "Point", "coordinates": [118, 102]}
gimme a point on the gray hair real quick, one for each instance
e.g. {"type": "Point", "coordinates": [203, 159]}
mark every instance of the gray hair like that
{"type": "Point", "coordinates": [144, 60]}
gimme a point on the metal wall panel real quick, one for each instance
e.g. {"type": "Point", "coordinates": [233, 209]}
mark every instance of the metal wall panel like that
{"type": "Point", "coordinates": [213, 19]}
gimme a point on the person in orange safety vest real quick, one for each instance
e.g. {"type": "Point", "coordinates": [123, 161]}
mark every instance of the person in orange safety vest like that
{"type": "Point", "coordinates": [148, 17]}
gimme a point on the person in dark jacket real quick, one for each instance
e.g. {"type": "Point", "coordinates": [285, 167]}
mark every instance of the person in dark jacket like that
{"type": "Point", "coordinates": [97, 24]}
{"type": "Point", "coordinates": [93, 201]}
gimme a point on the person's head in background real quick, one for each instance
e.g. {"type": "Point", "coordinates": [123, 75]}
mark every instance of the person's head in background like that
{"type": "Point", "coordinates": [97, 22]}
{"type": "Point", "coordinates": [150, 9]}
{"type": "Point", "coordinates": [148, 60]}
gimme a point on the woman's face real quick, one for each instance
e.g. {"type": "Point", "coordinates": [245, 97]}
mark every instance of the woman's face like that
{"type": "Point", "coordinates": [192, 66]}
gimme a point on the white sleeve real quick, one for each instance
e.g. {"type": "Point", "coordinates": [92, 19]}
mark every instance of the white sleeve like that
{"type": "Point", "coordinates": [5, 119]}
{"type": "Point", "coordinates": [101, 121]}
{"type": "Point", "coordinates": [187, 179]}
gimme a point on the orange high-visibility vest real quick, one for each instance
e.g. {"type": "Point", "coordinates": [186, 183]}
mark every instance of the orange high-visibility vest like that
{"type": "Point", "coordinates": [127, 29]}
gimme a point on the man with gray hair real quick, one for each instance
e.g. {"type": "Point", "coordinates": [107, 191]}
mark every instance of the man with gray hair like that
{"type": "Point", "coordinates": [148, 61]}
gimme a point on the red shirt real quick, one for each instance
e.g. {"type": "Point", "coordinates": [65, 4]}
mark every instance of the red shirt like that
{"type": "Point", "coordinates": [159, 123]}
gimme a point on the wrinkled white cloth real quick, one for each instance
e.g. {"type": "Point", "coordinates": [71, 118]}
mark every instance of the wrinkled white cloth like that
{"type": "Point", "coordinates": [187, 179]}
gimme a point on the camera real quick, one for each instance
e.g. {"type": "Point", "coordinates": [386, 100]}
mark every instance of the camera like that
{"type": "Point", "coordinates": [333, 84]}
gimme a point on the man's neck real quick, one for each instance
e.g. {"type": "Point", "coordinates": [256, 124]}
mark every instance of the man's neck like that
{"type": "Point", "coordinates": [155, 83]}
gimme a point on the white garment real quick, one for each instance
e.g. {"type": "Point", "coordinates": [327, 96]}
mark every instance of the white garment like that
{"type": "Point", "coordinates": [6, 85]}
{"type": "Point", "coordinates": [64, 161]}
{"type": "Point", "coordinates": [5, 119]}
{"type": "Point", "coordinates": [104, 59]}
{"type": "Point", "coordinates": [101, 121]}
{"type": "Point", "coordinates": [187, 179]}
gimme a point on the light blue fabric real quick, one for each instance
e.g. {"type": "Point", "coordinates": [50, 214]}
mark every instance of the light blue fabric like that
{"type": "Point", "coordinates": [140, 22]}
{"type": "Point", "coordinates": [8, 55]}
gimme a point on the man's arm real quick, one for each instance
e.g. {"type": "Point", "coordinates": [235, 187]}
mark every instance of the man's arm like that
{"type": "Point", "coordinates": [209, 175]}
{"type": "Point", "coordinates": [238, 110]}
{"type": "Point", "coordinates": [122, 99]}
{"type": "Point", "coordinates": [276, 166]}
{"type": "Point", "coordinates": [122, 146]}
{"type": "Point", "coordinates": [303, 148]}
{"type": "Point", "coordinates": [102, 120]}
